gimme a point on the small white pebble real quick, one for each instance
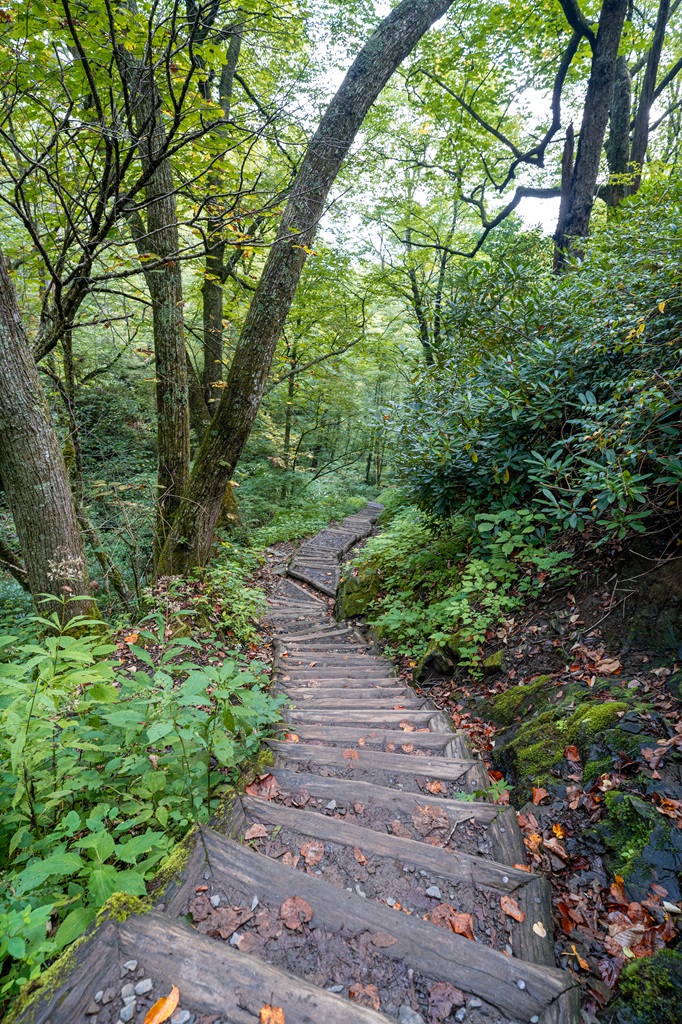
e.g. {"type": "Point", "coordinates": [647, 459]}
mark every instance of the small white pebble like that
{"type": "Point", "coordinates": [127, 990]}
{"type": "Point", "coordinates": [521, 983]}
{"type": "Point", "coordinates": [331, 806]}
{"type": "Point", "coordinates": [360, 892]}
{"type": "Point", "coordinates": [390, 901]}
{"type": "Point", "coordinates": [144, 986]}
{"type": "Point", "coordinates": [130, 965]}
{"type": "Point", "coordinates": [235, 937]}
{"type": "Point", "coordinates": [434, 892]}
{"type": "Point", "coordinates": [505, 879]}
{"type": "Point", "coordinates": [534, 1019]}
{"type": "Point", "coordinates": [215, 901]}
{"type": "Point", "coordinates": [180, 1017]}
{"type": "Point", "coordinates": [127, 1000]}
{"type": "Point", "coordinates": [254, 902]}
{"type": "Point", "coordinates": [98, 995]}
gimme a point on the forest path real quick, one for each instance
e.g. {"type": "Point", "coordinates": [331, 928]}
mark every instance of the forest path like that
{"type": "Point", "coordinates": [343, 885]}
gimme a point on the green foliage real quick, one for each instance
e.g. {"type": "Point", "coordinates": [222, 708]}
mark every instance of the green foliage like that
{"type": "Point", "coordinates": [445, 583]}
{"type": "Point", "coordinates": [306, 516]}
{"type": "Point", "coordinates": [579, 414]}
{"type": "Point", "coordinates": [650, 989]}
{"type": "Point", "coordinates": [101, 770]}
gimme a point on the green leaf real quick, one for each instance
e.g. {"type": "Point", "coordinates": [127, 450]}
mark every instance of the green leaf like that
{"type": "Point", "coordinates": [105, 880]}
{"type": "Point", "coordinates": [141, 654]}
{"type": "Point", "coordinates": [158, 730]}
{"type": "Point", "coordinates": [73, 925]}
{"type": "Point", "coordinates": [101, 843]}
{"type": "Point", "coordinates": [135, 847]}
{"type": "Point", "coordinates": [38, 872]}
{"type": "Point", "coordinates": [16, 947]}
{"type": "Point", "coordinates": [106, 693]}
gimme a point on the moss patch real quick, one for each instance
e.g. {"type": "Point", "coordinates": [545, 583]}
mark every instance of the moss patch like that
{"type": "Point", "coordinates": [537, 746]}
{"type": "Point", "coordinates": [356, 594]}
{"type": "Point", "coordinates": [591, 721]}
{"type": "Point", "coordinates": [650, 990]}
{"type": "Point", "coordinates": [506, 707]}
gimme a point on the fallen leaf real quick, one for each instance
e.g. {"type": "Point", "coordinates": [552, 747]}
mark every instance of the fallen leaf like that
{"type": "Point", "coordinates": [382, 940]}
{"type": "Point", "coordinates": [248, 943]}
{"type": "Point", "coordinates": [224, 921]}
{"type": "Point", "coordinates": [407, 748]}
{"type": "Point", "coordinates": [583, 963]}
{"type": "Point", "coordinates": [435, 787]}
{"type": "Point", "coordinates": [522, 867]}
{"type": "Point", "coordinates": [163, 1007]}
{"type": "Point", "coordinates": [443, 998]}
{"type": "Point", "coordinates": [295, 912]}
{"type": "Point", "coordinates": [539, 794]}
{"type": "Point", "coordinates": [406, 726]}
{"type": "Point", "coordinates": [572, 753]}
{"type": "Point", "coordinates": [265, 786]}
{"type": "Point", "coordinates": [512, 909]}
{"type": "Point", "coordinates": [359, 808]}
{"type": "Point", "coordinates": [271, 1015]}
{"type": "Point", "coordinates": [445, 916]}
{"type": "Point", "coordinates": [312, 852]}
{"type": "Point", "coordinates": [256, 832]}
{"type": "Point", "coordinates": [608, 667]}
{"type": "Point", "coordinates": [291, 859]}
{"type": "Point", "coordinates": [359, 855]}
{"type": "Point", "coordinates": [540, 929]}
{"type": "Point", "coordinates": [350, 754]}
{"type": "Point", "coordinates": [558, 831]}
{"type": "Point", "coordinates": [291, 737]}
{"type": "Point", "coordinates": [132, 638]}
{"type": "Point", "coordinates": [365, 995]}
{"type": "Point", "coordinates": [555, 847]}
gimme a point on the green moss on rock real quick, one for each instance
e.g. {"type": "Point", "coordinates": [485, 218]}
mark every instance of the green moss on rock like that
{"type": "Point", "coordinates": [506, 707]}
{"type": "Point", "coordinates": [356, 594]}
{"type": "Point", "coordinates": [537, 746]}
{"type": "Point", "coordinates": [591, 721]}
{"type": "Point", "coordinates": [493, 663]}
{"type": "Point", "coordinates": [651, 990]}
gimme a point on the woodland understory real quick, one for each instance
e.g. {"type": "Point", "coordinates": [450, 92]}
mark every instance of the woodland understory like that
{"type": "Point", "coordinates": [261, 263]}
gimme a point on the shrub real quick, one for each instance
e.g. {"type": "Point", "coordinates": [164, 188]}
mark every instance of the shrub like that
{"type": "Point", "coordinates": [579, 414]}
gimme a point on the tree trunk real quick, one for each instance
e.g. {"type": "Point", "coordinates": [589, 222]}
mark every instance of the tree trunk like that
{"type": "Point", "coordinates": [191, 536]}
{"type": "Point", "coordinates": [212, 288]}
{"type": "Point", "coordinates": [160, 237]}
{"type": "Point", "coordinates": [595, 116]}
{"type": "Point", "coordinates": [640, 134]}
{"type": "Point", "coordinates": [566, 175]}
{"type": "Point", "coordinates": [618, 142]}
{"type": "Point", "coordinates": [34, 474]}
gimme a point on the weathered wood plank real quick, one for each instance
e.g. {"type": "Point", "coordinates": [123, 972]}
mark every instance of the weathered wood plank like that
{"type": "Point", "coordinates": [433, 767]}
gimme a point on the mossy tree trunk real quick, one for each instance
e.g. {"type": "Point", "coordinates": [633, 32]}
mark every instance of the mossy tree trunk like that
{"type": "Point", "coordinates": [34, 473]}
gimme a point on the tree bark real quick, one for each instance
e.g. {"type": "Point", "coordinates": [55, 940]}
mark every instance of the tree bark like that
{"type": "Point", "coordinates": [640, 134]}
{"type": "Point", "coordinates": [34, 474]}
{"type": "Point", "coordinates": [191, 536]}
{"type": "Point", "coordinates": [595, 116]}
{"type": "Point", "coordinates": [618, 142]}
{"type": "Point", "coordinates": [160, 237]}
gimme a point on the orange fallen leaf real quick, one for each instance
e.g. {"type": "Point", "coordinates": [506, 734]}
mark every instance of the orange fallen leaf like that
{"type": "Point", "coordinates": [295, 912]}
{"type": "Point", "coordinates": [365, 995]}
{"type": "Point", "coordinates": [539, 794]}
{"type": "Point", "coordinates": [406, 726]}
{"type": "Point", "coordinates": [271, 1015]}
{"type": "Point", "coordinates": [312, 852]}
{"type": "Point", "coordinates": [445, 916]}
{"type": "Point", "coordinates": [512, 909]}
{"type": "Point", "coordinates": [435, 787]}
{"type": "Point", "coordinates": [350, 754]}
{"type": "Point", "coordinates": [256, 832]}
{"type": "Point", "coordinates": [163, 1008]}
{"type": "Point", "coordinates": [407, 748]}
{"type": "Point", "coordinates": [572, 753]}
{"type": "Point", "coordinates": [132, 638]}
{"type": "Point", "coordinates": [558, 831]}
{"type": "Point", "coordinates": [291, 737]}
{"type": "Point", "coordinates": [359, 855]}
{"type": "Point", "coordinates": [583, 963]}
{"type": "Point", "coordinates": [522, 867]}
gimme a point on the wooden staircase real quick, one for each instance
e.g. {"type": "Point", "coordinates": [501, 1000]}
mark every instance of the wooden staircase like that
{"type": "Point", "coordinates": [343, 885]}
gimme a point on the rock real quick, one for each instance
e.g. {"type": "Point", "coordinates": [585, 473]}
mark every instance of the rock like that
{"type": "Point", "coordinates": [461, 1013]}
{"type": "Point", "coordinates": [437, 661]}
{"type": "Point", "coordinates": [99, 995]}
{"type": "Point", "coordinates": [127, 990]}
{"type": "Point", "coordinates": [493, 663]}
{"type": "Point", "coordinates": [390, 901]}
{"type": "Point", "coordinates": [128, 1000]}
{"type": "Point", "coordinates": [331, 806]}
{"type": "Point", "coordinates": [406, 1015]}
{"type": "Point", "coordinates": [181, 1017]}
{"type": "Point", "coordinates": [434, 892]}
{"type": "Point", "coordinates": [127, 1013]}
{"type": "Point", "coordinates": [108, 996]}
{"type": "Point", "coordinates": [92, 1009]}
{"type": "Point", "coordinates": [215, 902]}
{"type": "Point", "coordinates": [474, 1003]}
{"type": "Point", "coordinates": [355, 595]}
{"type": "Point", "coordinates": [130, 965]}
{"type": "Point", "coordinates": [144, 986]}
{"type": "Point", "coordinates": [335, 989]}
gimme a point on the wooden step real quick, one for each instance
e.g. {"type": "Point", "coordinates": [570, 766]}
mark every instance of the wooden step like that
{"type": "Point", "coordinates": [467, 774]}
{"type": "Point", "coordinates": [375, 716]}
{"type": "Point", "coordinates": [213, 978]}
{"type": "Point", "coordinates": [531, 892]}
{"type": "Point", "coordinates": [347, 736]}
{"type": "Point", "coordinates": [390, 694]}
{"type": "Point", "coordinates": [337, 681]}
{"type": "Point", "coordinates": [516, 988]}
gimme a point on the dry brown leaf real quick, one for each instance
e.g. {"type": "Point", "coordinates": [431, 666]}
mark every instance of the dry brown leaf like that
{"type": "Point", "coordinates": [608, 666]}
{"type": "Point", "coordinates": [163, 1007]}
{"type": "Point", "coordinates": [406, 726]}
{"type": "Point", "coordinates": [291, 859]}
{"type": "Point", "coordinates": [350, 754]}
{"type": "Point", "coordinates": [382, 940]}
{"type": "Point", "coordinates": [512, 909]}
{"type": "Point", "coordinates": [539, 794]}
{"type": "Point", "coordinates": [224, 921]}
{"type": "Point", "coordinates": [256, 831]}
{"type": "Point", "coordinates": [271, 1015]}
{"type": "Point", "coordinates": [443, 998]}
{"type": "Point", "coordinates": [572, 753]}
{"type": "Point", "coordinates": [291, 737]}
{"type": "Point", "coordinates": [132, 638]}
{"type": "Point", "coordinates": [312, 852]}
{"type": "Point", "coordinates": [359, 855]}
{"type": "Point", "coordinates": [435, 787]}
{"type": "Point", "coordinates": [265, 786]}
{"type": "Point", "coordinates": [248, 943]}
{"type": "Point", "coordinates": [407, 748]}
{"type": "Point", "coordinates": [445, 916]}
{"type": "Point", "coordinates": [295, 912]}
{"type": "Point", "coordinates": [365, 995]}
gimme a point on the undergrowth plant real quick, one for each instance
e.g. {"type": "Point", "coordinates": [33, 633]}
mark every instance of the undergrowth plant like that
{"type": "Point", "coordinates": [103, 768]}
{"type": "Point", "coordinates": [445, 583]}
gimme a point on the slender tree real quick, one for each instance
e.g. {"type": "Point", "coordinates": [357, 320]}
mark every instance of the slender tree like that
{"type": "Point", "coordinates": [191, 535]}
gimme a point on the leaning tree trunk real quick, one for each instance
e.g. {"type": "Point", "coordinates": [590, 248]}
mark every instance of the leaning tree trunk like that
{"type": "Point", "coordinates": [34, 475]}
{"type": "Point", "coordinates": [191, 535]}
{"type": "Point", "coordinates": [640, 134]}
{"type": "Point", "coordinates": [576, 223]}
